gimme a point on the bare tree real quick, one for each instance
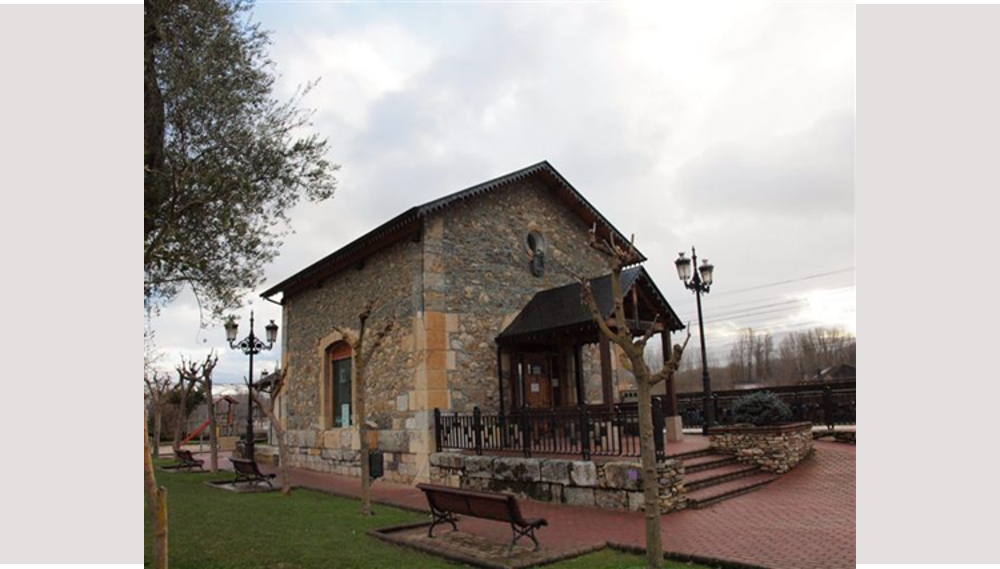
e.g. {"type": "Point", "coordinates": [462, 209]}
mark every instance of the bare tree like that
{"type": "Point", "coordinates": [268, 406]}
{"type": "Point", "coordinates": [362, 356]}
{"type": "Point", "coordinates": [158, 501]}
{"type": "Point", "coordinates": [158, 386]}
{"type": "Point", "coordinates": [196, 373]}
{"type": "Point", "coordinates": [183, 390]}
{"type": "Point", "coordinates": [631, 357]}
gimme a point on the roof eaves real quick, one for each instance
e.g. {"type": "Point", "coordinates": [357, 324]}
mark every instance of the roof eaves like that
{"type": "Point", "coordinates": [345, 251]}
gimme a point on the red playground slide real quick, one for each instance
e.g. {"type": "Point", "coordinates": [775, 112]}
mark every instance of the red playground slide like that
{"type": "Point", "coordinates": [197, 431]}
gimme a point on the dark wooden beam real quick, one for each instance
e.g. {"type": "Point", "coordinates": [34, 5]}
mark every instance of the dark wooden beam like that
{"type": "Point", "coordinates": [500, 375]}
{"type": "Point", "coordinates": [581, 395]}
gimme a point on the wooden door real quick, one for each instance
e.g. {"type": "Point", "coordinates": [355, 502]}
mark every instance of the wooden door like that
{"type": "Point", "coordinates": [537, 383]}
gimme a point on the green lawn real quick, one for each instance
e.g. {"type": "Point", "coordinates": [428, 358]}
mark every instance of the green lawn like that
{"type": "Point", "coordinates": [216, 529]}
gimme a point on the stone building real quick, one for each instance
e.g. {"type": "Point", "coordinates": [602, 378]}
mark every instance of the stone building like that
{"type": "Point", "coordinates": [484, 287]}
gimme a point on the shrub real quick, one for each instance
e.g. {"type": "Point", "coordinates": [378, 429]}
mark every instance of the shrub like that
{"type": "Point", "coordinates": [761, 408]}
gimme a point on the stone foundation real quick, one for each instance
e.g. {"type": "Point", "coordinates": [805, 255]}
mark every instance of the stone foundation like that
{"type": "Point", "coordinates": [608, 485]}
{"type": "Point", "coordinates": [774, 448]}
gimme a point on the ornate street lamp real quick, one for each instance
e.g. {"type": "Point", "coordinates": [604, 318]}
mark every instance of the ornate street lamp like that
{"type": "Point", "coordinates": [250, 345]}
{"type": "Point", "coordinates": [699, 283]}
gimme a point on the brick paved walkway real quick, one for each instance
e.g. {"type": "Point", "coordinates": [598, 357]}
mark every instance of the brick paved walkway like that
{"type": "Point", "coordinates": [805, 519]}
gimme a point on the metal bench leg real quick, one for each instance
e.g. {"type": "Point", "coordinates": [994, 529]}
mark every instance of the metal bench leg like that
{"type": "Point", "coordinates": [519, 533]}
{"type": "Point", "coordinates": [441, 518]}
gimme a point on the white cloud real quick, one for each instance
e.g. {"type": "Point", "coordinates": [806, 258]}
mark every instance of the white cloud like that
{"type": "Point", "coordinates": [725, 125]}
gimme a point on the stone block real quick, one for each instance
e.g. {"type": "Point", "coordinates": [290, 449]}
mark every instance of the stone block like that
{"type": "Point", "coordinates": [402, 402]}
{"type": "Point", "coordinates": [578, 496]}
{"type": "Point", "coordinates": [393, 441]}
{"type": "Point", "coordinates": [437, 378]}
{"type": "Point", "coordinates": [422, 419]}
{"type": "Point", "coordinates": [420, 441]}
{"type": "Point", "coordinates": [309, 438]}
{"type": "Point", "coordinates": [539, 491]}
{"type": "Point", "coordinates": [331, 439]}
{"type": "Point", "coordinates": [636, 501]}
{"type": "Point", "coordinates": [451, 460]}
{"type": "Point", "coordinates": [437, 359]}
{"type": "Point", "coordinates": [519, 469]}
{"type": "Point", "coordinates": [481, 484]}
{"type": "Point", "coordinates": [623, 475]}
{"type": "Point", "coordinates": [610, 499]}
{"type": "Point", "coordinates": [583, 473]}
{"type": "Point", "coordinates": [555, 470]}
{"type": "Point", "coordinates": [437, 398]}
{"type": "Point", "coordinates": [479, 466]}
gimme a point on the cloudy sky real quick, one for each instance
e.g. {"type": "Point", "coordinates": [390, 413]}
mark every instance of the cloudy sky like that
{"type": "Point", "coordinates": [729, 127]}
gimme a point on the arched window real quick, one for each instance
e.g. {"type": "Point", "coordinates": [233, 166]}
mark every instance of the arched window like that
{"type": "Point", "coordinates": [535, 242]}
{"type": "Point", "coordinates": [340, 393]}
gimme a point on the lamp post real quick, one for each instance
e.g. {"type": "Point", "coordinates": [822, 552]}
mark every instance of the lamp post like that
{"type": "Point", "coordinates": [250, 345]}
{"type": "Point", "coordinates": [699, 283]}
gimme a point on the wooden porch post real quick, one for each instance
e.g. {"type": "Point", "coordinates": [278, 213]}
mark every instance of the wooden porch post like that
{"type": "Point", "coordinates": [581, 395]}
{"type": "Point", "coordinates": [500, 376]}
{"type": "Point", "coordinates": [609, 398]}
{"type": "Point", "coordinates": [517, 396]}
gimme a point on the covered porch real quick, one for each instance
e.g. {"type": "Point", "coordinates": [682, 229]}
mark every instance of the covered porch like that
{"type": "Point", "coordinates": [541, 355]}
{"type": "Point", "coordinates": [560, 396]}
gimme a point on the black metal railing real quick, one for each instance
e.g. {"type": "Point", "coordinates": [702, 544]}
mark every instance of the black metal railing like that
{"type": "Point", "coordinates": [830, 405]}
{"type": "Point", "coordinates": [586, 431]}
{"type": "Point", "coordinates": [597, 430]}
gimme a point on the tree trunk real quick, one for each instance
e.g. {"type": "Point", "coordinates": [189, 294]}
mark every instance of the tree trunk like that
{"type": "Point", "coordinates": [286, 483]}
{"type": "Point", "coordinates": [279, 431]}
{"type": "Point", "coordinates": [650, 483]}
{"type": "Point", "coordinates": [181, 417]}
{"type": "Point", "coordinates": [366, 482]}
{"type": "Point", "coordinates": [158, 501]}
{"type": "Point", "coordinates": [213, 441]}
{"type": "Point", "coordinates": [157, 424]}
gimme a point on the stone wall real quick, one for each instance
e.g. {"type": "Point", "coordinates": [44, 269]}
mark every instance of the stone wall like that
{"type": "Point", "coordinates": [393, 277]}
{"type": "Point", "coordinates": [608, 485]}
{"type": "Point", "coordinates": [775, 449]}
{"type": "Point", "coordinates": [478, 273]}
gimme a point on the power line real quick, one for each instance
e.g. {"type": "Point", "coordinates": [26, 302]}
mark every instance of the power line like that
{"type": "Point", "coordinates": [779, 283]}
{"type": "Point", "coordinates": [750, 311]}
{"type": "Point", "coordinates": [825, 292]}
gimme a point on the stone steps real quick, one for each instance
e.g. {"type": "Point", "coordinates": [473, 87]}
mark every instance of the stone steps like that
{"type": "Point", "coordinates": [707, 462]}
{"type": "Point", "coordinates": [710, 495]}
{"type": "Point", "coordinates": [691, 454]}
{"type": "Point", "coordinates": [717, 475]}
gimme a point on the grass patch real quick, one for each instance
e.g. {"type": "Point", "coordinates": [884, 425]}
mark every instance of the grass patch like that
{"type": "Point", "coordinates": [215, 529]}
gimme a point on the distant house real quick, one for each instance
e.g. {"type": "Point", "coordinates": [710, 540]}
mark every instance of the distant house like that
{"type": "Point", "coordinates": [483, 285]}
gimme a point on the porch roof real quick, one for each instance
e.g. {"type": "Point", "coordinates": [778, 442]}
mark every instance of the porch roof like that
{"type": "Point", "coordinates": [562, 308]}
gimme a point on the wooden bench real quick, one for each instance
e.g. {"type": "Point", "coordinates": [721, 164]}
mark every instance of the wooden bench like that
{"type": "Point", "coordinates": [247, 471]}
{"type": "Point", "coordinates": [187, 460]}
{"type": "Point", "coordinates": [446, 502]}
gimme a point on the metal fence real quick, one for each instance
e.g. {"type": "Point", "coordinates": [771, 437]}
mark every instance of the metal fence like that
{"type": "Point", "coordinates": [597, 430]}
{"type": "Point", "coordinates": [587, 431]}
{"type": "Point", "coordinates": [829, 405]}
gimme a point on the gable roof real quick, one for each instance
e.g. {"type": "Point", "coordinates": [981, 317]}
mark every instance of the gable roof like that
{"type": "Point", "coordinates": [563, 307]}
{"type": "Point", "coordinates": [410, 221]}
